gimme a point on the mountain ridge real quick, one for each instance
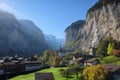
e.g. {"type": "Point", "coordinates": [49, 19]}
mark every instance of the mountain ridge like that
{"type": "Point", "coordinates": [17, 38]}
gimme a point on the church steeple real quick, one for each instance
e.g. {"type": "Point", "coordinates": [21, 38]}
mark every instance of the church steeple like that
{"type": "Point", "coordinates": [60, 49]}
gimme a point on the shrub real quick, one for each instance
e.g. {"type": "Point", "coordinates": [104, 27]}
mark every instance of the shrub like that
{"type": "Point", "coordinates": [62, 72]}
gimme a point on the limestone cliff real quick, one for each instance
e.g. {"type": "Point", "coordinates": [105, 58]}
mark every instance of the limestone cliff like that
{"type": "Point", "coordinates": [72, 35]}
{"type": "Point", "coordinates": [100, 22]}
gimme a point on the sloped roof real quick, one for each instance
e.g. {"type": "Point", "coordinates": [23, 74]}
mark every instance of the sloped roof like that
{"type": "Point", "coordinates": [79, 59]}
{"type": "Point", "coordinates": [92, 60]}
{"type": "Point", "coordinates": [112, 67]}
{"type": "Point", "coordinates": [8, 63]}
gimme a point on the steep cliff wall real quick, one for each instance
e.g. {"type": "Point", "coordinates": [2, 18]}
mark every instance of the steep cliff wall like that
{"type": "Point", "coordinates": [101, 22]}
{"type": "Point", "coordinates": [19, 37]}
{"type": "Point", "coordinates": [72, 35]}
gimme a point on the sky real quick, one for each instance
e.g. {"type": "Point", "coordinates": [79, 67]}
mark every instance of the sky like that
{"type": "Point", "coordinates": [51, 16]}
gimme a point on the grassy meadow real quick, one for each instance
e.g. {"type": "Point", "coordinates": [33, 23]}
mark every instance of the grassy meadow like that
{"type": "Point", "coordinates": [111, 59]}
{"type": "Point", "coordinates": [55, 71]}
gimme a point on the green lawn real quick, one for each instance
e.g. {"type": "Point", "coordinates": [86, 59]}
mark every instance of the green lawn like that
{"type": "Point", "coordinates": [110, 59]}
{"type": "Point", "coordinates": [55, 71]}
{"type": "Point", "coordinates": [117, 63]}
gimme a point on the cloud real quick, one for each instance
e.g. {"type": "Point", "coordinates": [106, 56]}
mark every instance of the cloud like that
{"type": "Point", "coordinates": [8, 8]}
{"type": "Point", "coordinates": [5, 7]}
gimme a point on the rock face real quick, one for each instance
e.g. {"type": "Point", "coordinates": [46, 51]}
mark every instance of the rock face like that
{"type": "Point", "coordinates": [19, 37]}
{"type": "Point", "coordinates": [72, 35]}
{"type": "Point", "coordinates": [101, 22]}
{"type": "Point", "coordinates": [53, 42]}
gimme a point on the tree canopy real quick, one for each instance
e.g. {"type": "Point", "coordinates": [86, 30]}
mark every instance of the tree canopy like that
{"type": "Point", "coordinates": [106, 46]}
{"type": "Point", "coordinates": [48, 57]}
{"type": "Point", "coordinates": [110, 48]}
{"type": "Point", "coordinates": [98, 72]}
{"type": "Point", "coordinates": [102, 47]}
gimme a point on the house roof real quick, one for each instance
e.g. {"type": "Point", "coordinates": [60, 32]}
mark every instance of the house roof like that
{"type": "Point", "coordinates": [44, 76]}
{"type": "Point", "coordinates": [112, 67]}
{"type": "Point", "coordinates": [8, 63]}
{"type": "Point", "coordinates": [31, 62]}
{"type": "Point", "coordinates": [79, 59]}
{"type": "Point", "coordinates": [116, 52]}
{"type": "Point", "coordinates": [92, 60]}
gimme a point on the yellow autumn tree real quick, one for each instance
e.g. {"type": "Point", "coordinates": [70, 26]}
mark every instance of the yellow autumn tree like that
{"type": "Point", "coordinates": [98, 72]}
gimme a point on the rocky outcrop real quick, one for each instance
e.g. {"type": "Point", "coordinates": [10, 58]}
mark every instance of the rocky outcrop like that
{"type": "Point", "coordinates": [72, 35]}
{"type": "Point", "coordinates": [19, 37]}
{"type": "Point", "coordinates": [73, 30]}
{"type": "Point", "coordinates": [101, 22]}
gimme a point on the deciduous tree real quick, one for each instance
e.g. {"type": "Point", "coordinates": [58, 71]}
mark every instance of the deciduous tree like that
{"type": "Point", "coordinates": [110, 48]}
{"type": "Point", "coordinates": [98, 72]}
{"type": "Point", "coordinates": [103, 45]}
{"type": "Point", "coordinates": [48, 57]}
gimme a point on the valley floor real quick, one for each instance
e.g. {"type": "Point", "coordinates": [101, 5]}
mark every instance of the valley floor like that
{"type": "Point", "coordinates": [55, 71]}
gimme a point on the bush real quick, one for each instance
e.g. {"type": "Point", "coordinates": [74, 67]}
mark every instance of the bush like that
{"type": "Point", "coordinates": [62, 72]}
{"type": "Point", "coordinates": [66, 73]}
